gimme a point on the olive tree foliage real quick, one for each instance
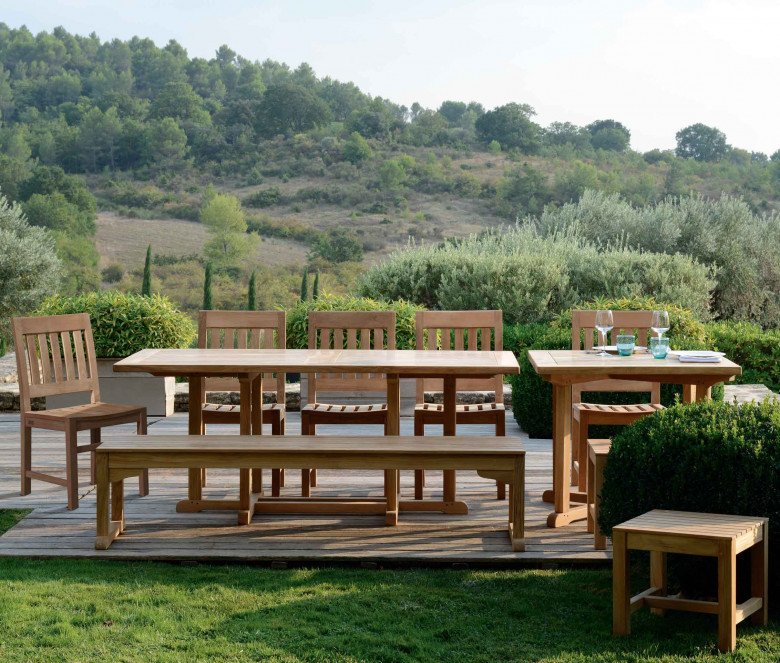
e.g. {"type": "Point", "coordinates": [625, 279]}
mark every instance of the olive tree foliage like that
{"type": "Point", "coordinates": [512, 127]}
{"type": "Point", "coordinates": [609, 135]}
{"type": "Point", "coordinates": [739, 246]}
{"type": "Point", "coordinates": [29, 267]}
{"type": "Point", "coordinates": [701, 143]}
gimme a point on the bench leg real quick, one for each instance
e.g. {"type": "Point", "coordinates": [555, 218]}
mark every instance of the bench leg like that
{"type": "Point", "coordinates": [517, 506]}
{"type": "Point", "coordinates": [759, 578]}
{"type": "Point", "coordinates": [658, 577]}
{"type": "Point", "coordinates": [599, 540]}
{"type": "Point", "coordinates": [143, 478]}
{"type": "Point", "coordinates": [106, 531]}
{"type": "Point", "coordinates": [621, 585]}
{"type": "Point", "coordinates": [26, 458]}
{"type": "Point", "coordinates": [727, 596]}
{"type": "Point", "coordinates": [391, 492]}
{"type": "Point", "coordinates": [118, 504]}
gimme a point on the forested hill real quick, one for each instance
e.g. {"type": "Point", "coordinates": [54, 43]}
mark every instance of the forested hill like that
{"type": "Point", "coordinates": [148, 132]}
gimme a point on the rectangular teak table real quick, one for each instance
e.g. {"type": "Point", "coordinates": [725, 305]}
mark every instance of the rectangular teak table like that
{"type": "Point", "coordinates": [563, 368]}
{"type": "Point", "coordinates": [250, 365]}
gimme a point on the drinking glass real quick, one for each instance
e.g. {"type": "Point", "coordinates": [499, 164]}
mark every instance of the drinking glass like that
{"type": "Point", "coordinates": [659, 322]}
{"type": "Point", "coordinates": [625, 344]}
{"type": "Point", "coordinates": [604, 324]}
{"type": "Point", "coordinates": [659, 347]}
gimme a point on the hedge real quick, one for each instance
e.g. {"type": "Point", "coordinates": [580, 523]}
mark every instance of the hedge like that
{"type": "Point", "coordinates": [123, 323]}
{"type": "Point", "coordinates": [755, 349]}
{"type": "Point", "coordinates": [707, 457]}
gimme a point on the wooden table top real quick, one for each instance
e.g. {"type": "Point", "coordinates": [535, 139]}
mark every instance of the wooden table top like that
{"type": "Point", "coordinates": [306, 444]}
{"type": "Point", "coordinates": [410, 363]}
{"type": "Point", "coordinates": [561, 362]}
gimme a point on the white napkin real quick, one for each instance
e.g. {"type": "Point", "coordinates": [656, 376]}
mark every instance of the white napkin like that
{"type": "Point", "coordinates": [697, 359]}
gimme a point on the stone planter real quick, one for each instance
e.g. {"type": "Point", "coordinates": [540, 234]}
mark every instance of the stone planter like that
{"type": "Point", "coordinates": [408, 395]}
{"type": "Point", "coordinates": [141, 389]}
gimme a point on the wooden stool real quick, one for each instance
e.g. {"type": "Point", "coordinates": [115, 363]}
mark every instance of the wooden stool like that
{"type": "Point", "coordinates": [597, 458]}
{"type": "Point", "coordinates": [708, 534]}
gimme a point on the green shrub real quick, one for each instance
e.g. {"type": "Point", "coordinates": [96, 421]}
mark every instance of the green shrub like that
{"type": "Point", "coordinates": [707, 457]}
{"type": "Point", "coordinates": [530, 277]}
{"type": "Point", "coordinates": [532, 396]}
{"type": "Point", "coordinates": [113, 273]}
{"type": "Point", "coordinates": [123, 324]}
{"type": "Point", "coordinates": [298, 317]}
{"type": "Point", "coordinates": [756, 350]}
{"type": "Point", "coordinates": [264, 198]}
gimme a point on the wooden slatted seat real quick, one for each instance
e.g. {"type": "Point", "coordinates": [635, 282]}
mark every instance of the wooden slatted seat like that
{"type": "Point", "coordinates": [584, 415]}
{"type": "Point", "coordinates": [459, 330]}
{"type": "Point", "coordinates": [351, 330]}
{"type": "Point", "coordinates": [56, 355]}
{"type": "Point", "coordinates": [244, 330]}
{"type": "Point", "coordinates": [121, 458]}
{"type": "Point", "coordinates": [708, 534]}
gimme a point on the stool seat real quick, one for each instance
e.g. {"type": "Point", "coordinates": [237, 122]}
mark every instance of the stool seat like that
{"type": "Point", "coordinates": [642, 409]}
{"type": "Point", "coordinates": [709, 534]}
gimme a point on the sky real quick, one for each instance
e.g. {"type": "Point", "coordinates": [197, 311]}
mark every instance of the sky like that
{"type": "Point", "coordinates": [655, 65]}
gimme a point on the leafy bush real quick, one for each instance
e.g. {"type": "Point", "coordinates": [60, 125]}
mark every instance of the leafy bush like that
{"type": "Point", "coordinates": [298, 317]}
{"type": "Point", "coordinates": [113, 273]}
{"type": "Point", "coordinates": [706, 457]}
{"type": "Point", "coordinates": [123, 323]}
{"type": "Point", "coordinates": [264, 198]}
{"type": "Point", "coordinates": [756, 350]}
{"type": "Point", "coordinates": [531, 277]}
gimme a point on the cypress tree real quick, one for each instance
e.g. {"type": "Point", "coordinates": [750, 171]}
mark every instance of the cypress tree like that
{"type": "Point", "coordinates": [208, 300]}
{"type": "Point", "coordinates": [315, 291]}
{"type": "Point", "coordinates": [251, 299]}
{"type": "Point", "coordinates": [305, 285]}
{"type": "Point", "coordinates": [146, 286]}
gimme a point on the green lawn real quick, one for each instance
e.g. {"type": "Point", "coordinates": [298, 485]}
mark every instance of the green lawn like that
{"type": "Point", "coordinates": [144, 611]}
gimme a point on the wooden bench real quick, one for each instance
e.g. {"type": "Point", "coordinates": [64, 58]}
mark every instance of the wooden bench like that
{"type": "Point", "coordinates": [708, 534]}
{"type": "Point", "coordinates": [501, 459]}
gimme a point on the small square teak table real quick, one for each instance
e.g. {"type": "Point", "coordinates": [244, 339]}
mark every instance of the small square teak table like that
{"type": "Point", "coordinates": [709, 534]}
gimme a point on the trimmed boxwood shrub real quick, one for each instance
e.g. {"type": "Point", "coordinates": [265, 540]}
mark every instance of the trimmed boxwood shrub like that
{"type": "Point", "coordinates": [532, 396]}
{"type": "Point", "coordinates": [708, 457]}
{"type": "Point", "coordinates": [298, 317]}
{"type": "Point", "coordinates": [123, 323]}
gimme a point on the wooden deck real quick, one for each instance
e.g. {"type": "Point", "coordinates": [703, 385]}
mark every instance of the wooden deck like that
{"type": "Point", "coordinates": [155, 531]}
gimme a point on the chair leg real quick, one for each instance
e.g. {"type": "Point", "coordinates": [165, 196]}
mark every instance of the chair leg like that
{"type": "Point", "coordinates": [71, 468]}
{"type": "Point", "coordinates": [305, 473]}
{"type": "Point", "coordinates": [582, 452]}
{"type": "Point", "coordinates": [143, 478]}
{"type": "Point", "coordinates": [282, 428]}
{"type": "Point", "coordinates": [202, 469]}
{"type": "Point", "coordinates": [599, 538]}
{"type": "Point", "coordinates": [575, 451]}
{"type": "Point", "coordinates": [500, 432]}
{"type": "Point", "coordinates": [419, 475]}
{"type": "Point", "coordinates": [26, 458]}
{"type": "Point", "coordinates": [94, 438]}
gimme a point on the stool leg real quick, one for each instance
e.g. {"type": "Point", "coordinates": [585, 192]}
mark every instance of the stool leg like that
{"type": "Point", "coordinates": [591, 496]}
{"type": "Point", "coordinates": [658, 577]}
{"type": "Point", "coordinates": [599, 540]}
{"type": "Point", "coordinates": [621, 585]}
{"type": "Point", "coordinates": [419, 475]}
{"type": "Point", "coordinates": [500, 432]}
{"type": "Point", "coordinates": [759, 578]}
{"type": "Point", "coordinates": [727, 596]}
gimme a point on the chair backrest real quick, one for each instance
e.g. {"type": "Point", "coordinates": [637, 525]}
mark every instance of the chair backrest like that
{"type": "Point", "coordinates": [583, 335]}
{"type": "Point", "coordinates": [350, 330]}
{"type": "Point", "coordinates": [460, 330]}
{"type": "Point", "coordinates": [243, 330]}
{"type": "Point", "coordinates": [55, 354]}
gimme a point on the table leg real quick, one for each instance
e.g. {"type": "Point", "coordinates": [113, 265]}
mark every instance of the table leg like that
{"type": "Point", "coordinates": [689, 393]}
{"type": "Point", "coordinates": [257, 427]}
{"type": "Point", "coordinates": [391, 489]}
{"type": "Point", "coordinates": [563, 514]}
{"type": "Point", "coordinates": [393, 405]}
{"type": "Point", "coordinates": [245, 508]}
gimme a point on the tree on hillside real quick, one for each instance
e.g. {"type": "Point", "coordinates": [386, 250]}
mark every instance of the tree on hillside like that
{"type": "Point", "coordinates": [225, 220]}
{"type": "Point", "coordinates": [251, 295]}
{"type": "Point", "coordinates": [29, 267]}
{"type": "Point", "coordinates": [179, 101]}
{"type": "Point", "coordinates": [291, 107]}
{"type": "Point", "coordinates": [338, 245]}
{"type": "Point", "coordinates": [563, 133]}
{"type": "Point", "coordinates": [356, 149]}
{"type": "Point", "coordinates": [99, 135]}
{"type": "Point", "coordinates": [702, 143]}
{"type": "Point", "coordinates": [609, 135]}
{"type": "Point", "coordinates": [146, 285]}
{"type": "Point", "coordinates": [452, 111]}
{"type": "Point", "coordinates": [511, 126]}
{"type": "Point", "coordinates": [305, 285]}
{"type": "Point", "coordinates": [208, 297]}
{"type": "Point", "coordinates": [165, 144]}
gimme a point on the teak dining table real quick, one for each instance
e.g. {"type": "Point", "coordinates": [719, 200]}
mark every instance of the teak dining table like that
{"type": "Point", "coordinates": [250, 365]}
{"type": "Point", "coordinates": [563, 368]}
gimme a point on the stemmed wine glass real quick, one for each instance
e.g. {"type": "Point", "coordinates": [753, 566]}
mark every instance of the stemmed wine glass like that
{"type": "Point", "coordinates": [659, 322]}
{"type": "Point", "coordinates": [604, 324]}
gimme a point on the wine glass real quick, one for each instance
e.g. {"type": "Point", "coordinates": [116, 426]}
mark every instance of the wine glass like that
{"type": "Point", "coordinates": [659, 322]}
{"type": "Point", "coordinates": [604, 324]}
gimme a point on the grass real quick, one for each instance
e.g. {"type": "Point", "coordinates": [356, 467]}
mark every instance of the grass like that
{"type": "Point", "coordinates": [58, 610]}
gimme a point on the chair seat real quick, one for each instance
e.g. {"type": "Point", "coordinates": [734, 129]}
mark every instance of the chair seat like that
{"type": "Point", "coordinates": [87, 412]}
{"type": "Point", "coordinates": [344, 409]}
{"type": "Point", "coordinates": [476, 407]}
{"type": "Point", "coordinates": [235, 409]}
{"type": "Point", "coordinates": [641, 410]}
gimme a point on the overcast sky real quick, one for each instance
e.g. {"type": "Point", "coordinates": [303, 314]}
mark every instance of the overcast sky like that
{"type": "Point", "coordinates": [655, 65]}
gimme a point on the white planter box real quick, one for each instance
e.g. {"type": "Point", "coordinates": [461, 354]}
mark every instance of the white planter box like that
{"type": "Point", "coordinates": [408, 396]}
{"type": "Point", "coordinates": [140, 389]}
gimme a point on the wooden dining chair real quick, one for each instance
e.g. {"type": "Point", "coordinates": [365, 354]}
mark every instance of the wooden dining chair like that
{"type": "Point", "coordinates": [245, 330]}
{"type": "Point", "coordinates": [56, 355]}
{"type": "Point", "coordinates": [459, 330]}
{"type": "Point", "coordinates": [352, 330]}
{"type": "Point", "coordinates": [583, 334]}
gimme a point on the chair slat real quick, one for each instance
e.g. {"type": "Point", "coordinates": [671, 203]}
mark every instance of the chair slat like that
{"type": "Point", "coordinates": [43, 348]}
{"type": "Point", "coordinates": [338, 339]}
{"type": "Point", "coordinates": [486, 344]}
{"type": "Point", "coordinates": [351, 339]}
{"type": "Point", "coordinates": [67, 351]}
{"type": "Point", "coordinates": [229, 338]}
{"type": "Point", "coordinates": [56, 356]}
{"type": "Point", "coordinates": [458, 333]}
{"type": "Point", "coordinates": [78, 343]}
{"type": "Point", "coordinates": [472, 331]}
{"type": "Point", "coordinates": [268, 339]}
{"type": "Point", "coordinates": [446, 343]}
{"type": "Point", "coordinates": [254, 339]}
{"type": "Point", "coordinates": [379, 339]}
{"type": "Point", "coordinates": [365, 339]}
{"type": "Point", "coordinates": [32, 359]}
{"type": "Point", "coordinates": [215, 338]}
{"type": "Point", "coordinates": [242, 339]}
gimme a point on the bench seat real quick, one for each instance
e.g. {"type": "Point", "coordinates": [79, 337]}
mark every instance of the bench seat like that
{"type": "Point", "coordinates": [125, 456]}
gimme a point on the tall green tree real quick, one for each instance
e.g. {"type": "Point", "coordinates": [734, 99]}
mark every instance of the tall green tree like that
{"type": "Point", "coordinates": [702, 143]}
{"type": "Point", "coordinates": [146, 286]}
{"type": "Point", "coordinates": [225, 220]}
{"type": "Point", "coordinates": [251, 296]}
{"type": "Point", "coordinates": [315, 291]}
{"type": "Point", "coordinates": [305, 285]}
{"type": "Point", "coordinates": [208, 298]}
{"type": "Point", "coordinates": [512, 127]}
{"type": "Point", "coordinates": [289, 107]}
{"type": "Point", "coordinates": [356, 149]}
{"type": "Point", "coordinates": [609, 135]}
